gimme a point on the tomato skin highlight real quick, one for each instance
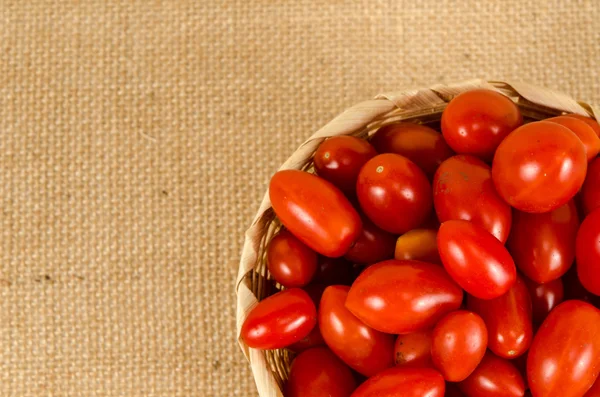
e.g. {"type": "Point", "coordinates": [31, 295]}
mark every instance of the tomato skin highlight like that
{"type": "Point", "coordinates": [564, 358]}
{"type": "Point", "coordinates": [418, 245]}
{"type": "Point", "coordinates": [475, 259]}
{"type": "Point", "coordinates": [590, 191]}
{"type": "Point", "coordinates": [372, 245]}
{"type": "Point", "coordinates": [290, 261]}
{"type": "Point", "coordinates": [543, 245]}
{"type": "Point", "coordinates": [508, 320]}
{"type": "Point", "coordinates": [494, 377]}
{"type": "Point", "coordinates": [361, 347]}
{"type": "Point", "coordinates": [584, 132]}
{"type": "Point", "coordinates": [413, 350]}
{"type": "Point", "coordinates": [459, 344]}
{"type": "Point", "coordinates": [340, 158]}
{"type": "Point", "coordinates": [403, 382]}
{"type": "Point", "coordinates": [314, 211]}
{"type": "Point", "coordinates": [427, 294]}
{"type": "Point", "coordinates": [394, 193]}
{"type": "Point", "coordinates": [544, 297]}
{"type": "Point", "coordinates": [317, 372]}
{"type": "Point", "coordinates": [280, 320]}
{"type": "Point", "coordinates": [588, 252]}
{"type": "Point", "coordinates": [539, 167]}
{"type": "Point", "coordinates": [463, 189]}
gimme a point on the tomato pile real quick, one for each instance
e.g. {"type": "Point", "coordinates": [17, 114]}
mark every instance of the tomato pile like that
{"type": "Point", "coordinates": [460, 263]}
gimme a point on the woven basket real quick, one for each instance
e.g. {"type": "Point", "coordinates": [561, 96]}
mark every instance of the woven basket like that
{"type": "Point", "coordinates": [270, 368]}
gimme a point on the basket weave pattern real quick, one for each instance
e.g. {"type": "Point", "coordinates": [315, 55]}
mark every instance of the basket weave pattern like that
{"type": "Point", "coordinates": [270, 368]}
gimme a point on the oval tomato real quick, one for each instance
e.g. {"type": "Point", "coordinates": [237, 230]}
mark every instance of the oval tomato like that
{"type": "Point", "coordinates": [340, 158]}
{"type": "Point", "coordinates": [459, 344]}
{"type": "Point", "coordinates": [418, 245]}
{"type": "Point", "coordinates": [315, 211]}
{"type": "Point", "coordinates": [588, 136]}
{"type": "Point", "coordinates": [422, 145]}
{"type": "Point", "coordinates": [508, 320]}
{"type": "Point", "coordinates": [290, 261]}
{"type": "Point", "coordinates": [564, 358]}
{"type": "Point", "coordinates": [544, 297]}
{"type": "Point", "coordinates": [539, 167]}
{"type": "Point", "coordinates": [590, 192]}
{"type": "Point", "coordinates": [279, 320]}
{"type": "Point", "coordinates": [373, 244]}
{"type": "Point", "coordinates": [394, 193]}
{"type": "Point", "coordinates": [463, 189]}
{"type": "Point", "coordinates": [475, 122]}
{"type": "Point", "coordinates": [588, 120]}
{"type": "Point", "coordinates": [405, 382]}
{"type": "Point", "coordinates": [413, 350]}
{"type": "Point", "coordinates": [400, 297]}
{"type": "Point", "coordinates": [364, 349]}
{"type": "Point", "coordinates": [331, 271]}
{"type": "Point", "coordinates": [475, 259]}
{"type": "Point", "coordinates": [318, 372]}
{"type": "Point", "coordinates": [543, 245]}
{"type": "Point", "coordinates": [494, 377]}
{"type": "Point", "coordinates": [588, 252]}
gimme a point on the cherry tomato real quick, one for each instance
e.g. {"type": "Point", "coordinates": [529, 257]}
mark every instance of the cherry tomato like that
{"type": "Point", "coordinates": [589, 121]}
{"type": "Point", "coordinates": [422, 145]}
{"type": "Point", "coordinates": [463, 189]}
{"type": "Point", "coordinates": [475, 259]}
{"type": "Point", "coordinates": [595, 390]}
{"type": "Point", "coordinates": [564, 358]}
{"type": "Point", "coordinates": [332, 271]}
{"type": "Point", "coordinates": [544, 297]}
{"type": "Point", "coordinates": [361, 347]}
{"type": "Point", "coordinates": [588, 252]}
{"type": "Point", "coordinates": [394, 193]}
{"type": "Point", "coordinates": [459, 344]}
{"type": "Point", "coordinates": [315, 211]}
{"type": "Point", "coordinates": [543, 245]}
{"type": "Point", "coordinates": [494, 377]}
{"type": "Point", "coordinates": [413, 350]}
{"type": "Point", "coordinates": [475, 122]}
{"type": "Point", "coordinates": [373, 244]}
{"type": "Point", "coordinates": [539, 167]}
{"type": "Point", "coordinates": [290, 261]}
{"type": "Point", "coordinates": [400, 297]}
{"type": "Point", "coordinates": [279, 320]}
{"type": "Point", "coordinates": [590, 192]}
{"type": "Point", "coordinates": [318, 372]}
{"type": "Point", "coordinates": [508, 320]}
{"type": "Point", "coordinates": [418, 245]}
{"type": "Point", "coordinates": [588, 136]}
{"type": "Point", "coordinates": [339, 159]}
{"type": "Point", "coordinates": [404, 382]}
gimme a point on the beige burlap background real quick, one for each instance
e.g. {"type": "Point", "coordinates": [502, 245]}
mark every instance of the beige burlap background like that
{"type": "Point", "coordinates": [137, 138]}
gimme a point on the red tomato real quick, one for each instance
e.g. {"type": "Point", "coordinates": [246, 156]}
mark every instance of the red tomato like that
{"type": "Point", "coordinates": [290, 261]}
{"type": "Point", "coordinates": [543, 245]}
{"type": "Point", "coordinates": [422, 145]}
{"type": "Point", "coordinates": [426, 294]}
{"type": "Point", "coordinates": [589, 121]}
{"type": "Point", "coordinates": [595, 390]}
{"type": "Point", "coordinates": [508, 320]}
{"type": "Point", "coordinates": [539, 167]}
{"type": "Point", "coordinates": [463, 189]}
{"type": "Point", "coordinates": [590, 192]}
{"type": "Point", "coordinates": [475, 122]}
{"type": "Point", "coordinates": [564, 358]}
{"type": "Point", "coordinates": [459, 344]}
{"type": "Point", "coordinates": [588, 136]}
{"type": "Point", "coordinates": [361, 347]}
{"type": "Point", "coordinates": [339, 159]}
{"type": "Point", "coordinates": [373, 244]}
{"type": "Point", "coordinates": [544, 297]}
{"type": "Point", "coordinates": [318, 372]}
{"type": "Point", "coordinates": [475, 259]}
{"type": "Point", "coordinates": [494, 377]}
{"type": "Point", "coordinates": [413, 350]}
{"type": "Point", "coordinates": [403, 382]}
{"type": "Point", "coordinates": [315, 211]}
{"type": "Point", "coordinates": [394, 193]}
{"type": "Point", "coordinates": [279, 320]}
{"type": "Point", "coordinates": [588, 252]}
{"type": "Point", "coordinates": [418, 245]}
{"type": "Point", "coordinates": [332, 271]}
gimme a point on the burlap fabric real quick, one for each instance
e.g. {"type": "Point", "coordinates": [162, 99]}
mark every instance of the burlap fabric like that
{"type": "Point", "coordinates": [137, 138]}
